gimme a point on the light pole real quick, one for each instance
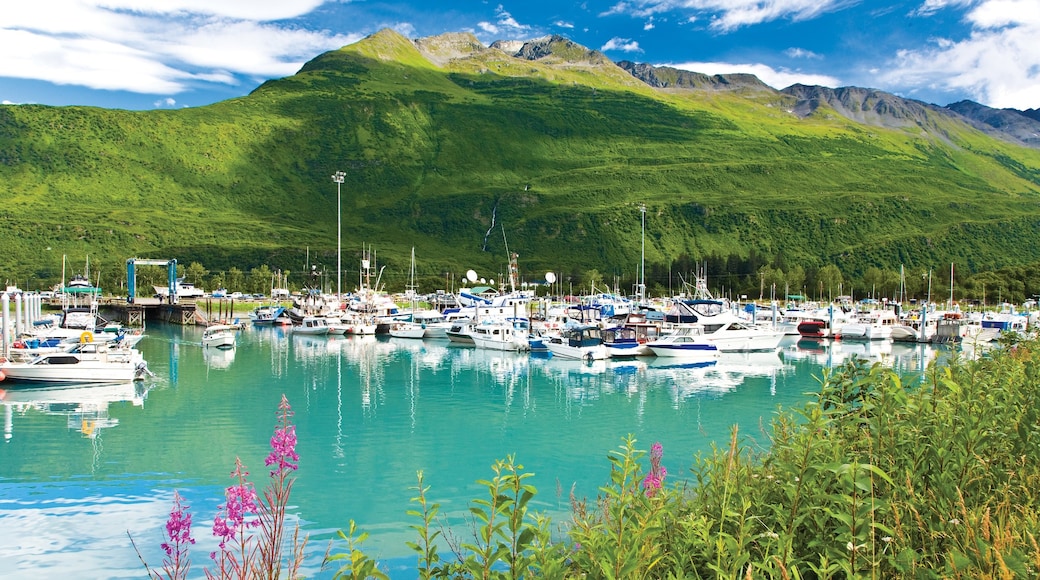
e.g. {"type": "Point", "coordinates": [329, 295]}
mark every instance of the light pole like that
{"type": "Point", "coordinates": [642, 256]}
{"type": "Point", "coordinates": [338, 178]}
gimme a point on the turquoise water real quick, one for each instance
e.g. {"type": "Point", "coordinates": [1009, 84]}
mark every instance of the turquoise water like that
{"type": "Point", "coordinates": [81, 467]}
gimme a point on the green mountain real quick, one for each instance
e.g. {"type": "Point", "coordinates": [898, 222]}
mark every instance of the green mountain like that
{"type": "Point", "coordinates": [459, 150]}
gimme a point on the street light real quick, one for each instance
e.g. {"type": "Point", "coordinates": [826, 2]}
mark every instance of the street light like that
{"type": "Point", "coordinates": [338, 178]}
{"type": "Point", "coordinates": [642, 256]}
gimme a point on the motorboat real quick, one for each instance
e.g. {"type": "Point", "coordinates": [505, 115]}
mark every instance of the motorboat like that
{"type": "Point", "coordinates": [315, 325]}
{"type": "Point", "coordinates": [218, 336]}
{"type": "Point", "coordinates": [686, 342]}
{"type": "Point", "coordinates": [407, 329]}
{"type": "Point", "coordinates": [84, 362]}
{"type": "Point", "coordinates": [874, 325]}
{"type": "Point", "coordinates": [506, 334]}
{"type": "Point", "coordinates": [269, 315]}
{"type": "Point", "coordinates": [623, 341]}
{"type": "Point", "coordinates": [578, 342]}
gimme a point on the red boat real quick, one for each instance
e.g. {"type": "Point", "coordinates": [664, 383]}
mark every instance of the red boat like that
{"type": "Point", "coordinates": [812, 328]}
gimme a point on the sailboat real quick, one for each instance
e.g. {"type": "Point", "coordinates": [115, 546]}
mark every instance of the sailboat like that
{"type": "Point", "coordinates": [409, 328]}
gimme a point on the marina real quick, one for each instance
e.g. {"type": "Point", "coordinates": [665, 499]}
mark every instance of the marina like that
{"type": "Point", "coordinates": [81, 466]}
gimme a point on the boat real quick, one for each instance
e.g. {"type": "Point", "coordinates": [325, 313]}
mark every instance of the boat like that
{"type": "Point", "coordinates": [578, 342]}
{"type": "Point", "coordinates": [461, 332]}
{"type": "Point", "coordinates": [506, 334]}
{"type": "Point", "coordinates": [183, 290]}
{"type": "Point", "coordinates": [686, 342]}
{"type": "Point", "coordinates": [624, 341]}
{"type": "Point", "coordinates": [407, 329]}
{"type": "Point", "coordinates": [874, 325]}
{"type": "Point", "coordinates": [218, 336]}
{"type": "Point", "coordinates": [269, 315]}
{"type": "Point", "coordinates": [722, 327]}
{"type": "Point", "coordinates": [85, 362]}
{"type": "Point", "coordinates": [314, 325]}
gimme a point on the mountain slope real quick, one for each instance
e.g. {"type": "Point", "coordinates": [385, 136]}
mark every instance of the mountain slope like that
{"type": "Point", "coordinates": [460, 149]}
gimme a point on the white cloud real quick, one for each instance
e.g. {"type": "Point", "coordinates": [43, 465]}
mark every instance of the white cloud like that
{"type": "Point", "coordinates": [998, 64]}
{"type": "Point", "coordinates": [622, 44]}
{"type": "Point", "coordinates": [930, 7]}
{"type": "Point", "coordinates": [167, 102]}
{"type": "Point", "coordinates": [563, 24]}
{"type": "Point", "coordinates": [728, 15]}
{"type": "Point", "coordinates": [6, 102]}
{"type": "Point", "coordinates": [488, 27]}
{"type": "Point", "coordinates": [146, 47]}
{"type": "Point", "coordinates": [801, 53]}
{"type": "Point", "coordinates": [775, 78]}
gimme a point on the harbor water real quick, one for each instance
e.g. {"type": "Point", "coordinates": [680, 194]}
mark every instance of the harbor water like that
{"type": "Point", "coordinates": [84, 469]}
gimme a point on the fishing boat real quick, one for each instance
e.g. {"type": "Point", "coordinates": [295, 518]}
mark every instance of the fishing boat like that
{"type": "Point", "coordinates": [85, 362]}
{"type": "Point", "coordinates": [218, 336]}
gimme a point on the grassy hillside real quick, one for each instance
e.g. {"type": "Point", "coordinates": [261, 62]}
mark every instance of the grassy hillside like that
{"type": "Point", "coordinates": [552, 156]}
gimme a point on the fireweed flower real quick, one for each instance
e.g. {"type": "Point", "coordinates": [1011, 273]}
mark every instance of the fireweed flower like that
{"type": "Point", "coordinates": [178, 528]}
{"type": "Point", "coordinates": [241, 501]}
{"type": "Point", "coordinates": [653, 480]}
{"type": "Point", "coordinates": [283, 442]}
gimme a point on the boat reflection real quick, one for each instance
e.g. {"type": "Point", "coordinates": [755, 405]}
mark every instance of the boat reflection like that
{"type": "Point", "coordinates": [218, 358]}
{"type": "Point", "coordinates": [899, 356]}
{"type": "Point", "coordinates": [85, 406]}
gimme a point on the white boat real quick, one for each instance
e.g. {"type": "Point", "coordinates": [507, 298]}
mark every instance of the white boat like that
{"type": "Point", "coordinates": [720, 326]}
{"type": "Point", "coordinates": [579, 342]}
{"type": "Point", "coordinates": [508, 334]}
{"type": "Point", "coordinates": [183, 290]}
{"type": "Point", "coordinates": [685, 342]}
{"type": "Point", "coordinates": [86, 362]}
{"type": "Point", "coordinates": [315, 325]}
{"type": "Point", "coordinates": [407, 329]}
{"type": "Point", "coordinates": [218, 336]}
{"type": "Point", "coordinates": [624, 341]}
{"type": "Point", "coordinates": [461, 332]}
{"type": "Point", "coordinates": [874, 325]}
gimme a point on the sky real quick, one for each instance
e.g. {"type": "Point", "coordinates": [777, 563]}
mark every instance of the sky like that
{"type": "Point", "coordinates": [156, 54]}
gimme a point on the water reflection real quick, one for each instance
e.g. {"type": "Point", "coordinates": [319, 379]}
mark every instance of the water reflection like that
{"type": "Point", "coordinates": [899, 356]}
{"type": "Point", "coordinates": [218, 358]}
{"type": "Point", "coordinates": [84, 406]}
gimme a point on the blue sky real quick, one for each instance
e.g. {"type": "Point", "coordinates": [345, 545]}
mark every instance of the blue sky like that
{"type": "Point", "coordinates": [146, 54]}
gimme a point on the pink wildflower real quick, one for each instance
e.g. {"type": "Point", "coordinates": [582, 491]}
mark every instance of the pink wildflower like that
{"type": "Point", "coordinates": [283, 442]}
{"type": "Point", "coordinates": [178, 528]}
{"type": "Point", "coordinates": [241, 501]}
{"type": "Point", "coordinates": [655, 478]}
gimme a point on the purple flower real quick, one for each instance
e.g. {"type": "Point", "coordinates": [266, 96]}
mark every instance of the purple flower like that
{"type": "Point", "coordinates": [178, 527]}
{"type": "Point", "coordinates": [283, 442]}
{"type": "Point", "coordinates": [653, 480]}
{"type": "Point", "coordinates": [283, 449]}
{"type": "Point", "coordinates": [241, 501]}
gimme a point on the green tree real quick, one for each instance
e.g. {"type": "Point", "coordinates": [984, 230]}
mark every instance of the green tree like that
{"type": "Point", "coordinates": [260, 279]}
{"type": "Point", "coordinates": [795, 277]}
{"type": "Point", "coordinates": [235, 279]}
{"type": "Point", "coordinates": [196, 272]}
{"type": "Point", "coordinates": [830, 279]}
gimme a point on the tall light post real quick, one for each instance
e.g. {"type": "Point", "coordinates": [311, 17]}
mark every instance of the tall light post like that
{"type": "Point", "coordinates": [642, 256]}
{"type": "Point", "coordinates": [338, 178]}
